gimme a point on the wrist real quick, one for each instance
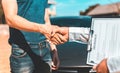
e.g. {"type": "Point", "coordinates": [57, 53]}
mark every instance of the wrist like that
{"type": "Point", "coordinates": [65, 31]}
{"type": "Point", "coordinates": [43, 29]}
{"type": "Point", "coordinates": [67, 35]}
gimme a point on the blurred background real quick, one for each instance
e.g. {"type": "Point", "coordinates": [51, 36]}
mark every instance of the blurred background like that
{"type": "Point", "coordinates": [60, 8]}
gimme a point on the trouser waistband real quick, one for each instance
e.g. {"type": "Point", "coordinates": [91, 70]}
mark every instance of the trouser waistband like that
{"type": "Point", "coordinates": [40, 45]}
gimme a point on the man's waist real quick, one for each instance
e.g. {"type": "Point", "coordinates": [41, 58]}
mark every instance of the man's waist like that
{"type": "Point", "coordinates": [17, 36]}
{"type": "Point", "coordinates": [33, 45]}
{"type": "Point", "coordinates": [33, 36]}
{"type": "Point", "coordinates": [41, 44]}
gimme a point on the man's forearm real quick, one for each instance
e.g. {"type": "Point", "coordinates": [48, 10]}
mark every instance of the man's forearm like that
{"type": "Point", "coordinates": [10, 9]}
{"type": "Point", "coordinates": [25, 25]}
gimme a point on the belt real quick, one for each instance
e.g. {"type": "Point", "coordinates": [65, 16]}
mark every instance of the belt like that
{"type": "Point", "coordinates": [42, 44]}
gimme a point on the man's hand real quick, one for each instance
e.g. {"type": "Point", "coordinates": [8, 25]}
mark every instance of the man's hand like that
{"type": "Point", "coordinates": [55, 34]}
{"type": "Point", "coordinates": [47, 31]}
{"type": "Point", "coordinates": [102, 67]}
{"type": "Point", "coordinates": [61, 35]}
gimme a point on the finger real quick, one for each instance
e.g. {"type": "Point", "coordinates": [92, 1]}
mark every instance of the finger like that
{"type": "Point", "coordinates": [52, 33]}
{"type": "Point", "coordinates": [63, 39]}
{"type": "Point", "coordinates": [55, 42]}
{"type": "Point", "coordinates": [57, 39]}
{"type": "Point", "coordinates": [95, 67]}
{"type": "Point", "coordinates": [53, 67]}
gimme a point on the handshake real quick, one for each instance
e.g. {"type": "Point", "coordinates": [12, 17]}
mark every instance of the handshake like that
{"type": "Point", "coordinates": [56, 35]}
{"type": "Point", "coordinates": [59, 35]}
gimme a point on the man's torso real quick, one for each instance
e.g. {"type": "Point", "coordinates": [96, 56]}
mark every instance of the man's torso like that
{"type": "Point", "coordinates": [34, 11]}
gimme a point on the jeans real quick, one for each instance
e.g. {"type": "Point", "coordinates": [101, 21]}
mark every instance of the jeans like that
{"type": "Point", "coordinates": [20, 62]}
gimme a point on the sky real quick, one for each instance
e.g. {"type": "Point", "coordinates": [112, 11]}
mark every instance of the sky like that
{"type": "Point", "coordinates": [73, 7]}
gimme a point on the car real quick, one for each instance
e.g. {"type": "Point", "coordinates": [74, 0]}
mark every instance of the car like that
{"type": "Point", "coordinates": [72, 55]}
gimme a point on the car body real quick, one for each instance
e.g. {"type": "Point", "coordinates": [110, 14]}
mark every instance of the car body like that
{"type": "Point", "coordinates": [73, 55]}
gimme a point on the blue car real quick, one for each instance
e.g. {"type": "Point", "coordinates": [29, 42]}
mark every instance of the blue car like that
{"type": "Point", "coordinates": [72, 55]}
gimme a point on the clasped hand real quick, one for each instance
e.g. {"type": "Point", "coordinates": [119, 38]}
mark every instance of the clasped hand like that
{"type": "Point", "coordinates": [58, 35]}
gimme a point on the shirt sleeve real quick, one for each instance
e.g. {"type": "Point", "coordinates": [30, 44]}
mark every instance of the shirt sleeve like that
{"type": "Point", "coordinates": [113, 64]}
{"type": "Point", "coordinates": [79, 34]}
